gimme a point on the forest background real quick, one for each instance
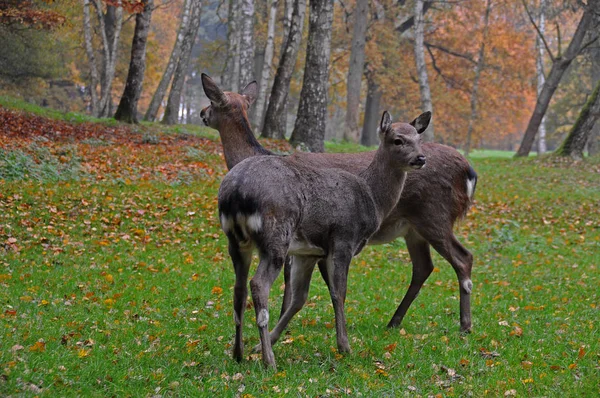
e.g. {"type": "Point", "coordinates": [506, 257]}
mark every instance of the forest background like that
{"type": "Point", "coordinates": [482, 63]}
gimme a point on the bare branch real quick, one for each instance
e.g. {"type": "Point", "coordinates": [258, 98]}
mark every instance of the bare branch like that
{"type": "Point", "coordinates": [540, 34]}
{"type": "Point", "coordinates": [408, 24]}
{"type": "Point", "coordinates": [467, 57]}
{"type": "Point", "coordinates": [559, 42]}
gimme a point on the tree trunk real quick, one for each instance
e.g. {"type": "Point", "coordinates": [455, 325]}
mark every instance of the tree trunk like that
{"type": "Point", "coordinates": [426, 103]}
{"type": "Point", "coordinates": [159, 94]}
{"type": "Point", "coordinates": [539, 68]}
{"type": "Point", "coordinates": [355, 71]}
{"type": "Point", "coordinates": [266, 68]}
{"type": "Point", "coordinates": [273, 119]}
{"type": "Point", "coordinates": [575, 142]}
{"type": "Point", "coordinates": [127, 109]}
{"type": "Point", "coordinates": [478, 68]}
{"type": "Point", "coordinates": [89, 49]}
{"type": "Point", "coordinates": [312, 110]}
{"type": "Point", "coordinates": [109, 52]}
{"type": "Point", "coordinates": [594, 140]}
{"type": "Point", "coordinates": [231, 72]}
{"type": "Point", "coordinates": [247, 43]}
{"type": "Point", "coordinates": [171, 115]}
{"type": "Point", "coordinates": [559, 66]}
{"type": "Point", "coordinates": [369, 133]}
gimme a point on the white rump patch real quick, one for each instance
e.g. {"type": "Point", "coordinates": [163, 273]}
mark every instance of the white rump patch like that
{"type": "Point", "coordinates": [470, 188]}
{"type": "Point", "coordinates": [254, 222]}
{"type": "Point", "coordinates": [226, 223]}
{"type": "Point", "coordinates": [263, 318]}
{"type": "Point", "coordinates": [467, 285]}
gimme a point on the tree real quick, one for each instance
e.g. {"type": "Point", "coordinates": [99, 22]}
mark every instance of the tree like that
{"type": "Point", "coordinates": [274, 126]}
{"type": "Point", "coordinates": [426, 103]}
{"type": "Point", "coordinates": [246, 43]}
{"type": "Point", "coordinates": [478, 69]}
{"type": "Point", "coordinates": [127, 109]}
{"type": "Point", "coordinates": [311, 120]}
{"type": "Point", "coordinates": [369, 132]}
{"type": "Point", "coordinates": [231, 71]}
{"type": "Point", "coordinates": [575, 142]}
{"type": "Point", "coordinates": [266, 70]}
{"type": "Point", "coordinates": [171, 115]}
{"type": "Point", "coordinates": [25, 14]}
{"type": "Point", "coordinates": [539, 70]}
{"type": "Point", "coordinates": [355, 71]}
{"type": "Point", "coordinates": [560, 63]}
{"type": "Point", "coordinates": [159, 94]}
{"type": "Point", "coordinates": [594, 140]}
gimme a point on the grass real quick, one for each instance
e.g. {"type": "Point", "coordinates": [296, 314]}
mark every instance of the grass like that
{"type": "Point", "coordinates": [119, 284]}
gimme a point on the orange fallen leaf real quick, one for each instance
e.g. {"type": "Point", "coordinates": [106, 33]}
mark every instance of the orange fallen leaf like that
{"type": "Point", "coordinates": [217, 290]}
{"type": "Point", "coordinates": [39, 346]}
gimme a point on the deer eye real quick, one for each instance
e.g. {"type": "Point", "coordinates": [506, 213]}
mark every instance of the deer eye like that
{"type": "Point", "coordinates": [398, 141]}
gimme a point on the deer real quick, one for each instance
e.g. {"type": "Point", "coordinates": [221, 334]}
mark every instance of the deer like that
{"type": "Point", "coordinates": [282, 206]}
{"type": "Point", "coordinates": [434, 198]}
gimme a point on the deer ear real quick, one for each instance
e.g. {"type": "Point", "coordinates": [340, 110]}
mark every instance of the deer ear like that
{"type": "Point", "coordinates": [386, 122]}
{"type": "Point", "coordinates": [212, 91]}
{"type": "Point", "coordinates": [422, 122]}
{"type": "Point", "coordinates": [250, 92]}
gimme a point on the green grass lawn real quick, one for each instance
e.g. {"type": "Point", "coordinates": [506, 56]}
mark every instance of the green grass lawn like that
{"type": "Point", "coordinates": [116, 282]}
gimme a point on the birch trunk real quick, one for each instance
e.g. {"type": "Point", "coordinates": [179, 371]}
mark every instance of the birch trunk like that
{"type": "Point", "coordinates": [274, 128]}
{"type": "Point", "coordinates": [355, 71]}
{"type": "Point", "coordinates": [539, 68]}
{"type": "Point", "coordinates": [109, 52]}
{"type": "Point", "coordinates": [246, 52]}
{"type": "Point", "coordinates": [426, 103]}
{"type": "Point", "coordinates": [478, 68]}
{"type": "Point", "coordinates": [559, 66]}
{"type": "Point", "coordinates": [231, 72]}
{"type": "Point", "coordinates": [369, 133]}
{"type": "Point", "coordinates": [259, 110]}
{"type": "Point", "coordinates": [159, 94]}
{"type": "Point", "coordinates": [594, 141]}
{"type": "Point", "coordinates": [89, 49]}
{"type": "Point", "coordinates": [574, 144]}
{"type": "Point", "coordinates": [311, 121]}
{"type": "Point", "coordinates": [171, 115]}
{"type": "Point", "coordinates": [127, 109]}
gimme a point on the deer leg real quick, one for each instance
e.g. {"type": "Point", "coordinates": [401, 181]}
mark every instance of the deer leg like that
{"type": "Point", "coordinates": [462, 262]}
{"type": "Point", "coordinates": [337, 269]}
{"type": "Point", "coordinates": [420, 255]}
{"type": "Point", "coordinates": [260, 285]}
{"type": "Point", "coordinates": [241, 258]}
{"type": "Point", "coordinates": [287, 292]}
{"type": "Point", "coordinates": [300, 275]}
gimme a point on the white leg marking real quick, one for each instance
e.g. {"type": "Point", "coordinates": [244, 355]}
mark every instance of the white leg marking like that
{"type": "Point", "coordinates": [470, 188]}
{"type": "Point", "coordinates": [263, 318]}
{"type": "Point", "coordinates": [467, 285]}
{"type": "Point", "coordinates": [226, 223]}
{"type": "Point", "coordinates": [254, 222]}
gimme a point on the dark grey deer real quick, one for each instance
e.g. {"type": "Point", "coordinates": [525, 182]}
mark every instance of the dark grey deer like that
{"type": "Point", "coordinates": [433, 199]}
{"type": "Point", "coordinates": [283, 206]}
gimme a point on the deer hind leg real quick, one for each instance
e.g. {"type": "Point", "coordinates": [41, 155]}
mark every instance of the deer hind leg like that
{"type": "Point", "coordinates": [420, 255]}
{"type": "Point", "coordinates": [241, 258]}
{"type": "Point", "coordinates": [270, 264]}
{"type": "Point", "coordinates": [337, 268]}
{"type": "Point", "coordinates": [287, 293]}
{"type": "Point", "coordinates": [301, 269]}
{"type": "Point", "coordinates": [462, 262]}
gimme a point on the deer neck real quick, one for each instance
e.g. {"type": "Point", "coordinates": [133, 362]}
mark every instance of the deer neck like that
{"type": "Point", "coordinates": [239, 142]}
{"type": "Point", "coordinates": [386, 181]}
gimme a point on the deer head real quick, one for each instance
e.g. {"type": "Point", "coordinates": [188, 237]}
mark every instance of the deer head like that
{"type": "Point", "coordinates": [225, 105]}
{"type": "Point", "coordinates": [402, 141]}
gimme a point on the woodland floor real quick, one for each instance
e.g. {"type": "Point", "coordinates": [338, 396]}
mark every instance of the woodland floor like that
{"type": "Point", "coordinates": [115, 279]}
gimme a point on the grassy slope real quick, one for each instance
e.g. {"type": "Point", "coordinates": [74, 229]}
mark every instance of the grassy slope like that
{"type": "Point", "coordinates": [119, 284]}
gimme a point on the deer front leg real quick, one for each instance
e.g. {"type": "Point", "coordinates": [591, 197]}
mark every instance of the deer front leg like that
{"type": "Point", "coordinates": [422, 266]}
{"type": "Point", "coordinates": [337, 269]}
{"type": "Point", "coordinates": [241, 258]}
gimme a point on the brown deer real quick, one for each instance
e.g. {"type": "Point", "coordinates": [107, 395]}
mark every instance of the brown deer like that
{"type": "Point", "coordinates": [433, 200]}
{"type": "Point", "coordinates": [283, 206]}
